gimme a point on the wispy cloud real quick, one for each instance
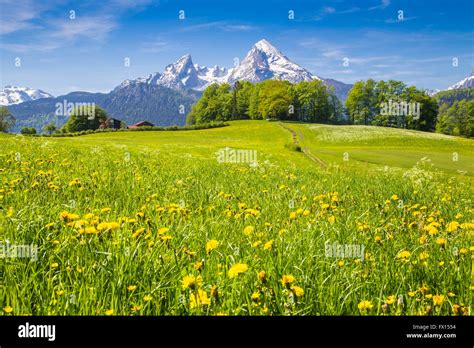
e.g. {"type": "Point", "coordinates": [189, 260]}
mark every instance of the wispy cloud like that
{"type": "Point", "coordinates": [222, 25]}
{"type": "Point", "coordinates": [19, 15]}
{"type": "Point", "coordinates": [384, 4]}
{"type": "Point", "coordinates": [94, 21]}
{"type": "Point", "coordinates": [92, 27]}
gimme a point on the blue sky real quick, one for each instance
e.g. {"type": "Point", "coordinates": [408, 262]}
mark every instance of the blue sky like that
{"type": "Point", "coordinates": [59, 54]}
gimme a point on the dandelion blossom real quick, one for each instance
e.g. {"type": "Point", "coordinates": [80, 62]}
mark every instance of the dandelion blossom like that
{"type": "Point", "coordinates": [438, 300]}
{"type": "Point", "coordinates": [237, 269]}
{"type": "Point", "coordinates": [198, 299]}
{"type": "Point", "coordinates": [191, 282]}
{"type": "Point", "coordinates": [287, 279]}
{"type": "Point", "coordinates": [365, 305]}
{"type": "Point", "coordinates": [211, 245]}
{"type": "Point", "coordinates": [298, 291]}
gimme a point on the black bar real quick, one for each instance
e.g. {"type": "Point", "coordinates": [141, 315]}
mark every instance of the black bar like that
{"type": "Point", "coordinates": [242, 330]}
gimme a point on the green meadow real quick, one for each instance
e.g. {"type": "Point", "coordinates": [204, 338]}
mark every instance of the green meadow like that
{"type": "Point", "coordinates": [361, 221]}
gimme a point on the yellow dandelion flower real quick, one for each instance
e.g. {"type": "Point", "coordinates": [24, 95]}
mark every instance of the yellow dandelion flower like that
{"type": "Point", "coordinates": [268, 245]}
{"type": "Point", "coordinates": [452, 226]}
{"type": "Point", "coordinates": [199, 298]}
{"type": "Point", "coordinates": [441, 242]}
{"type": "Point", "coordinates": [138, 232]}
{"type": "Point", "coordinates": [424, 255]}
{"type": "Point", "coordinates": [297, 291]}
{"type": "Point", "coordinates": [191, 282]}
{"type": "Point", "coordinates": [394, 197]}
{"type": "Point", "coordinates": [198, 265]}
{"type": "Point", "coordinates": [90, 230]}
{"type": "Point", "coordinates": [331, 219]}
{"type": "Point", "coordinates": [54, 265]}
{"type": "Point", "coordinates": [287, 279]}
{"type": "Point", "coordinates": [423, 239]}
{"type": "Point", "coordinates": [109, 312]}
{"type": "Point", "coordinates": [163, 230]}
{"type": "Point", "coordinates": [255, 296]}
{"type": "Point", "coordinates": [262, 275]}
{"type": "Point", "coordinates": [390, 299]}
{"type": "Point", "coordinates": [438, 300]}
{"type": "Point", "coordinates": [8, 309]}
{"type": "Point", "coordinates": [64, 216]}
{"type": "Point", "coordinates": [147, 298]}
{"type": "Point", "coordinates": [237, 269]}
{"type": "Point", "coordinates": [131, 287]}
{"type": "Point", "coordinates": [256, 243]}
{"type": "Point", "coordinates": [365, 305]}
{"type": "Point", "coordinates": [211, 245]}
{"type": "Point", "coordinates": [136, 308]}
{"type": "Point", "coordinates": [248, 230]}
{"type": "Point", "coordinates": [411, 293]}
{"type": "Point", "coordinates": [404, 254]}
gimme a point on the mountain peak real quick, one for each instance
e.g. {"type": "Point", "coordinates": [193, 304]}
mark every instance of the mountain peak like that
{"type": "Point", "coordinates": [464, 83]}
{"type": "Point", "coordinates": [16, 95]}
{"type": "Point", "coordinates": [265, 46]}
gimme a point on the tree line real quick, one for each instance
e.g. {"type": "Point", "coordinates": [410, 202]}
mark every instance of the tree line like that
{"type": "Point", "coordinates": [272, 99]}
{"type": "Point", "coordinates": [383, 103]}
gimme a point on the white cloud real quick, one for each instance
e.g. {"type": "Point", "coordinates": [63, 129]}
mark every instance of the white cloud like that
{"type": "Point", "coordinates": [222, 25]}
{"type": "Point", "coordinates": [93, 27]}
{"type": "Point", "coordinates": [383, 5]}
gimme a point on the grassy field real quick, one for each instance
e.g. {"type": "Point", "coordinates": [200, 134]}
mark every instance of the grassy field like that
{"type": "Point", "coordinates": [149, 223]}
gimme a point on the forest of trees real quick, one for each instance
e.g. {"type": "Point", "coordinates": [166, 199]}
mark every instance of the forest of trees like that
{"type": "Point", "coordinates": [80, 121]}
{"type": "Point", "coordinates": [379, 103]}
{"type": "Point", "coordinates": [391, 104]}
{"type": "Point", "coordinates": [452, 95]}
{"type": "Point", "coordinates": [457, 119]}
{"type": "Point", "coordinates": [272, 99]}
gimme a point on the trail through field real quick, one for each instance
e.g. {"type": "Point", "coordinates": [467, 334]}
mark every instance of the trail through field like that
{"type": "Point", "coordinates": [306, 151]}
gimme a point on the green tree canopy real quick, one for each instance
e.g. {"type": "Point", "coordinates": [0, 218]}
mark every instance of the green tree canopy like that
{"type": "Point", "coordinates": [7, 120]}
{"type": "Point", "coordinates": [80, 120]}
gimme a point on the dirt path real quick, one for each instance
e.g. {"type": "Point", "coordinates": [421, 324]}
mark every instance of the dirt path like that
{"type": "Point", "coordinates": [305, 150]}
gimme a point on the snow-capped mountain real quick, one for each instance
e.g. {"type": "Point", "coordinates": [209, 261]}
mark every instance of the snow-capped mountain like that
{"type": "Point", "coordinates": [183, 75]}
{"type": "Point", "coordinates": [262, 62]}
{"type": "Point", "coordinates": [432, 92]}
{"type": "Point", "coordinates": [464, 83]}
{"type": "Point", "coordinates": [16, 95]}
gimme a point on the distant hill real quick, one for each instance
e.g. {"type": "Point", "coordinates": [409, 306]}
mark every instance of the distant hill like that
{"type": "Point", "coordinates": [452, 95]}
{"type": "Point", "coordinates": [160, 105]}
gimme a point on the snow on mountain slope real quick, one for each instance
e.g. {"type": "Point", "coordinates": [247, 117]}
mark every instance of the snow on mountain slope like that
{"type": "Point", "coordinates": [464, 83]}
{"type": "Point", "coordinates": [264, 62]}
{"type": "Point", "coordinates": [261, 63]}
{"type": "Point", "coordinates": [16, 95]}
